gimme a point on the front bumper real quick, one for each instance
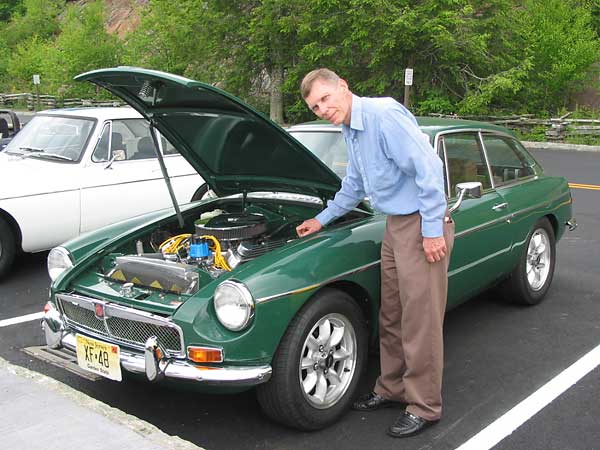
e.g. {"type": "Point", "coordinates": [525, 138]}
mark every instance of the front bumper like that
{"type": "Point", "coordinates": [153, 361]}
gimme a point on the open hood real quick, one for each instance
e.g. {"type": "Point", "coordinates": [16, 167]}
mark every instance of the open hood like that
{"type": "Point", "coordinates": [233, 147]}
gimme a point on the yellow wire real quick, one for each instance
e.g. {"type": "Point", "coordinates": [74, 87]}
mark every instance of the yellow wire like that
{"type": "Point", "coordinates": [220, 262]}
{"type": "Point", "coordinates": [174, 244]}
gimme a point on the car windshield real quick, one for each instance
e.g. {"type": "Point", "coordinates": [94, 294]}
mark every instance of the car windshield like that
{"type": "Point", "coordinates": [52, 137]}
{"type": "Point", "coordinates": [328, 146]}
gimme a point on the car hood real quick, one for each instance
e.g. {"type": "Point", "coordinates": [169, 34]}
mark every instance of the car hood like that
{"type": "Point", "coordinates": [232, 146]}
{"type": "Point", "coordinates": [24, 176]}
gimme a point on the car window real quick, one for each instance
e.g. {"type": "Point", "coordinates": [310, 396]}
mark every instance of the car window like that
{"type": "Point", "coordinates": [507, 161]}
{"type": "Point", "coordinates": [329, 147]}
{"type": "Point", "coordinates": [465, 160]}
{"type": "Point", "coordinates": [128, 139]}
{"type": "Point", "coordinates": [53, 137]}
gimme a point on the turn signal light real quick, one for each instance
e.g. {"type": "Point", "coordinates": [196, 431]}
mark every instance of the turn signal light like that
{"type": "Point", "coordinates": [205, 354]}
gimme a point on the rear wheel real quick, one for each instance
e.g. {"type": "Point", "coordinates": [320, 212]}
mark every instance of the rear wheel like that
{"type": "Point", "coordinates": [318, 364]}
{"type": "Point", "coordinates": [532, 277]}
{"type": "Point", "coordinates": [8, 247]}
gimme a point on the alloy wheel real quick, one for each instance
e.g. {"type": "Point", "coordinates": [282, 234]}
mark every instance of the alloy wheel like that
{"type": "Point", "coordinates": [328, 361]}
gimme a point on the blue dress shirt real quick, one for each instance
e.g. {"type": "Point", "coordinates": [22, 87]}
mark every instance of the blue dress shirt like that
{"type": "Point", "coordinates": [391, 161]}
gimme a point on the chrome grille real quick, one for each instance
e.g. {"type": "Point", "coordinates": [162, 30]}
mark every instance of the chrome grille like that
{"type": "Point", "coordinates": [82, 317]}
{"type": "Point", "coordinates": [120, 325]}
{"type": "Point", "coordinates": [140, 332]}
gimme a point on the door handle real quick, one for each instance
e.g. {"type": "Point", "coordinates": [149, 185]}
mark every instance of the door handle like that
{"type": "Point", "coordinates": [500, 206]}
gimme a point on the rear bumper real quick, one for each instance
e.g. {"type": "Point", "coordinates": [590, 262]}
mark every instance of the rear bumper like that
{"type": "Point", "coordinates": [571, 224]}
{"type": "Point", "coordinates": [152, 362]}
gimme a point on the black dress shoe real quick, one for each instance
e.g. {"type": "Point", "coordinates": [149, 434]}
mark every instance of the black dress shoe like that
{"type": "Point", "coordinates": [371, 402]}
{"type": "Point", "coordinates": [408, 425]}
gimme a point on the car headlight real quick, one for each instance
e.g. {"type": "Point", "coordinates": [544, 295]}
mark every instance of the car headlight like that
{"type": "Point", "coordinates": [59, 260]}
{"type": "Point", "coordinates": [234, 305]}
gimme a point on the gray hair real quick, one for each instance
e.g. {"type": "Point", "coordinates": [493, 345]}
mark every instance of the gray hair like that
{"type": "Point", "coordinates": [322, 74]}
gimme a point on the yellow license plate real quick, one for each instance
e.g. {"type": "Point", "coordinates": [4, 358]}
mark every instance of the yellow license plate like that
{"type": "Point", "coordinates": [99, 357]}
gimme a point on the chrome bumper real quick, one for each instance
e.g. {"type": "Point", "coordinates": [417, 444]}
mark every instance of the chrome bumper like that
{"type": "Point", "coordinates": [154, 364]}
{"type": "Point", "coordinates": [571, 224]}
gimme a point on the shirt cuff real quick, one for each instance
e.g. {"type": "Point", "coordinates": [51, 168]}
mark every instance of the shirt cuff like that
{"type": "Point", "coordinates": [432, 229]}
{"type": "Point", "coordinates": [324, 217]}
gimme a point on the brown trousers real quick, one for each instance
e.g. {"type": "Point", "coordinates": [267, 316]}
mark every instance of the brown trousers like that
{"type": "Point", "coordinates": [413, 301]}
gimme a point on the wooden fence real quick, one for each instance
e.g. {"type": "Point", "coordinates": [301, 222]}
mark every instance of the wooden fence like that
{"type": "Point", "coordinates": [556, 129]}
{"type": "Point", "coordinates": [35, 102]}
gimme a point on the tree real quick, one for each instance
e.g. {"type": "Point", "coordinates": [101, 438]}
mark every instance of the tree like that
{"type": "Point", "coordinates": [552, 46]}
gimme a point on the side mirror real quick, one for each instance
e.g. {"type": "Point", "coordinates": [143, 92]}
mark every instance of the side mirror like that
{"type": "Point", "coordinates": [470, 189]}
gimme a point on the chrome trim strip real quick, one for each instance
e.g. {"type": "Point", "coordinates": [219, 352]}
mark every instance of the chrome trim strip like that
{"type": "Point", "coordinates": [487, 161]}
{"type": "Point", "coordinates": [183, 370]}
{"type": "Point", "coordinates": [316, 285]}
{"type": "Point", "coordinates": [483, 225]}
{"type": "Point", "coordinates": [122, 312]}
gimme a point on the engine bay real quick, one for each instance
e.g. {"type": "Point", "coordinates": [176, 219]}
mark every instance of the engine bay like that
{"type": "Point", "coordinates": [215, 239]}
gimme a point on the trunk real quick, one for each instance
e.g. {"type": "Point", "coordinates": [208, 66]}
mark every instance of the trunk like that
{"type": "Point", "coordinates": [276, 109]}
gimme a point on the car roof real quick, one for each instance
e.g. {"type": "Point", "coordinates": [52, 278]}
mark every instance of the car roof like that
{"type": "Point", "coordinates": [101, 113]}
{"type": "Point", "coordinates": [429, 125]}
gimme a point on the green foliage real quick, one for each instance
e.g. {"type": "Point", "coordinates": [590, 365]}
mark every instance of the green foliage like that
{"type": "Point", "coordinates": [552, 45]}
{"type": "Point", "coordinates": [37, 18]}
{"type": "Point", "coordinates": [468, 56]}
{"type": "Point", "coordinates": [8, 7]}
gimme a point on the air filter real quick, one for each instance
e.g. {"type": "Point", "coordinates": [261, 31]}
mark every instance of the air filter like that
{"type": "Point", "coordinates": [233, 227]}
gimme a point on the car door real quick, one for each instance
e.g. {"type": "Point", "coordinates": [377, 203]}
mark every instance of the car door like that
{"type": "Point", "coordinates": [482, 238]}
{"type": "Point", "coordinates": [512, 170]}
{"type": "Point", "coordinates": [124, 176]}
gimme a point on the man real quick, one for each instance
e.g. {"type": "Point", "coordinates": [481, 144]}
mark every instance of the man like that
{"type": "Point", "coordinates": [391, 161]}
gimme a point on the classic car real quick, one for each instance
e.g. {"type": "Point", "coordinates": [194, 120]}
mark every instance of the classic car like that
{"type": "Point", "coordinates": [226, 296]}
{"type": "Point", "coordinates": [9, 126]}
{"type": "Point", "coordinates": [74, 170]}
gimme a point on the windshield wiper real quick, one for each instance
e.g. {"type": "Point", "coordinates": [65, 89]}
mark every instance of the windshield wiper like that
{"type": "Point", "coordinates": [51, 155]}
{"type": "Point", "coordinates": [32, 149]}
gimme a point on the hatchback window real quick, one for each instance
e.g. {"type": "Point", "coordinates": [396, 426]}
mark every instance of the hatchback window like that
{"type": "Point", "coordinates": [53, 138]}
{"type": "Point", "coordinates": [465, 160]}
{"type": "Point", "coordinates": [507, 162]}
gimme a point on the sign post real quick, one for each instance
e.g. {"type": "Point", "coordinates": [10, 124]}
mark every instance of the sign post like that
{"type": "Point", "coordinates": [408, 81]}
{"type": "Point", "coordinates": [36, 82]}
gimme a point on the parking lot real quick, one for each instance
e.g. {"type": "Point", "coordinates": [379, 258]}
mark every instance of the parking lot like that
{"type": "Point", "coordinates": [497, 356]}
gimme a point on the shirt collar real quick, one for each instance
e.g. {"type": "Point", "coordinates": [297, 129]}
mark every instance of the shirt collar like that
{"type": "Point", "coordinates": [356, 119]}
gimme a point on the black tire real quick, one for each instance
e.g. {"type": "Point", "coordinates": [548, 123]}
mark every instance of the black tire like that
{"type": "Point", "coordinates": [283, 397]}
{"type": "Point", "coordinates": [522, 287]}
{"type": "Point", "coordinates": [200, 192]}
{"type": "Point", "coordinates": [8, 247]}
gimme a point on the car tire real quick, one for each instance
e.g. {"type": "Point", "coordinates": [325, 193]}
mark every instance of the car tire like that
{"type": "Point", "coordinates": [530, 280]}
{"type": "Point", "coordinates": [318, 365]}
{"type": "Point", "coordinates": [8, 247]}
{"type": "Point", "coordinates": [200, 192]}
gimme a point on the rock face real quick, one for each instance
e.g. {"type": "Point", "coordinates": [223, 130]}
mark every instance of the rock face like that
{"type": "Point", "coordinates": [122, 15]}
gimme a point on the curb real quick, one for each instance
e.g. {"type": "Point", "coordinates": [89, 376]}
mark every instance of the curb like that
{"type": "Point", "coordinates": [560, 146]}
{"type": "Point", "coordinates": [139, 426]}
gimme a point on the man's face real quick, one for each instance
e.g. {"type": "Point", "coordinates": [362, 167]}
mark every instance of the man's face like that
{"type": "Point", "coordinates": [330, 101]}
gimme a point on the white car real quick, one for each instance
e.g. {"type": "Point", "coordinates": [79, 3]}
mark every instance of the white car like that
{"type": "Point", "coordinates": [74, 170]}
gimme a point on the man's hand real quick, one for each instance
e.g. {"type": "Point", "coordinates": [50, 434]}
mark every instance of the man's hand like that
{"type": "Point", "coordinates": [307, 227]}
{"type": "Point", "coordinates": [435, 248]}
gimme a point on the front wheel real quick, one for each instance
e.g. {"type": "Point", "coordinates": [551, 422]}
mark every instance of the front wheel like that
{"type": "Point", "coordinates": [318, 364]}
{"type": "Point", "coordinates": [532, 277]}
{"type": "Point", "coordinates": [8, 248]}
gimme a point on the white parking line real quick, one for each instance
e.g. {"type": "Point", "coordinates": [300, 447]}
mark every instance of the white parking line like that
{"type": "Point", "coordinates": [509, 422]}
{"type": "Point", "coordinates": [21, 319]}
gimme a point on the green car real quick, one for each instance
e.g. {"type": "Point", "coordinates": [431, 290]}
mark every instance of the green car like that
{"type": "Point", "coordinates": [222, 293]}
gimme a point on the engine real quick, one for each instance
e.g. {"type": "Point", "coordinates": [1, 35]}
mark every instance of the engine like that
{"type": "Point", "coordinates": [221, 241]}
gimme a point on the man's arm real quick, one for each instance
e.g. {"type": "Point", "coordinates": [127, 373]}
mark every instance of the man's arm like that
{"type": "Point", "coordinates": [350, 194]}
